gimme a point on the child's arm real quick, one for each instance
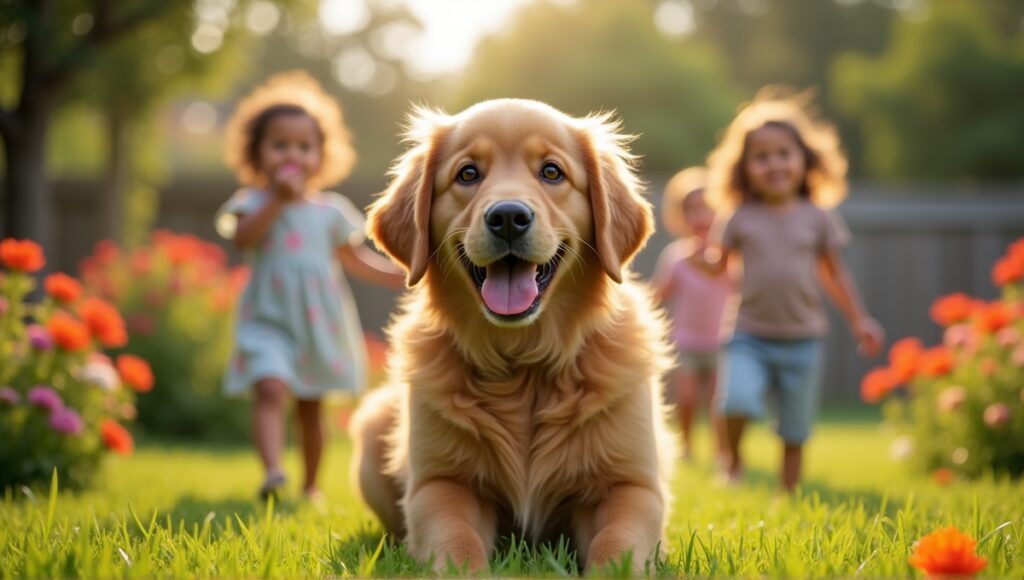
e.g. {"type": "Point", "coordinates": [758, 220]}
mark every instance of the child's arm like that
{"type": "Point", "coordinates": [663, 282]}
{"type": "Point", "coordinates": [713, 261]}
{"type": "Point", "coordinates": [839, 285]}
{"type": "Point", "coordinates": [252, 227]}
{"type": "Point", "coordinates": [369, 266]}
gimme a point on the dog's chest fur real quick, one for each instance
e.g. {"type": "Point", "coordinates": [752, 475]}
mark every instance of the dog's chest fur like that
{"type": "Point", "coordinates": [536, 443]}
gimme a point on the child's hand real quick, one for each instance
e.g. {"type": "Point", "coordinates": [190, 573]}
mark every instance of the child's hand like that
{"type": "Point", "coordinates": [289, 181]}
{"type": "Point", "coordinates": [870, 336]}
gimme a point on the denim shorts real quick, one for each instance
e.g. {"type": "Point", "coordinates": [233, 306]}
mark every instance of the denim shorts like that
{"type": "Point", "coordinates": [790, 369]}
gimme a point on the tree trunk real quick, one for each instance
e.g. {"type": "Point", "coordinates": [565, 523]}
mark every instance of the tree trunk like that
{"type": "Point", "coordinates": [29, 205]}
{"type": "Point", "coordinates": [115, 181]}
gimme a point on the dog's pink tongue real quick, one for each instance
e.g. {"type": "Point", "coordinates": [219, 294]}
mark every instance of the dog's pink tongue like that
{"type": "Point", "coordinates": [510, 289]}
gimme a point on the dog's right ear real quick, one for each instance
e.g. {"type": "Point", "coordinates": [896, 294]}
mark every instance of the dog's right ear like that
{"type": "Point", "coordinates": [399, 221]}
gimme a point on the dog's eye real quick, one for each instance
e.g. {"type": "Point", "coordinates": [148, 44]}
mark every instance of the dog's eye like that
{"type": "Point", "coordinates": [551, 173]}
{"type": "Point", "coordinates": [468, 174]}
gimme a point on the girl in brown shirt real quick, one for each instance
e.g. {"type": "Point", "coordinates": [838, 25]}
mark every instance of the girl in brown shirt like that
{"type": "Point", "coordinates": [778, 172]}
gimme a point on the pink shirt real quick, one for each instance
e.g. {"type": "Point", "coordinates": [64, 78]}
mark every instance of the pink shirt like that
{"type": "Point", "coordinates": [696, 302]}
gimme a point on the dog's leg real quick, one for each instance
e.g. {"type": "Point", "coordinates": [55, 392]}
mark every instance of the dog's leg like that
{"type": "Point", "coordinates": [448, 522]}
{"type": "Point", "coordinates": [631, 519]}
{"type": "Point", "coordinates": [371, 423]}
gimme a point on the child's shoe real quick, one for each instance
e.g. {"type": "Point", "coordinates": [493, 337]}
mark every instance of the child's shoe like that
{"type": "Point", "coordinates": [273, 486]}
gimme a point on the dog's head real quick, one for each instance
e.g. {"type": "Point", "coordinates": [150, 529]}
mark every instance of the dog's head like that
{"type": "Point", "coordinates": [509, 196]}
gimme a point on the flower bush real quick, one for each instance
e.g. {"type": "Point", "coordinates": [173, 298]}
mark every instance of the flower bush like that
{"type": "Point", "coordinates": [59, 393]}
{"type": "Point", "coordinates": [177, 294]}
{"type": "Point", "coordinates": [959, 406]}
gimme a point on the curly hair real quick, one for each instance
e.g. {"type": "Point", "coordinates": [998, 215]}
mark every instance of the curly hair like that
{"type": "Point", "coordinates": [678, 189]}
{"type": "Point", "coordinates": [288, 94]}
{"type": "Point", "coordinates": [824, 183]}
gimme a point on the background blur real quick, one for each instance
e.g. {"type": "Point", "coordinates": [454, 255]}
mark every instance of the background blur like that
{"type": "Point", "coordinates": [113, 111]}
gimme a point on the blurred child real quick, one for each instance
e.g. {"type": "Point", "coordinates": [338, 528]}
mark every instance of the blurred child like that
{"type": "Point", "coordinates": [695, 300]}
{"type": "Point", "coordinates": [781, 171]}
{"type": "Point", "coordinates": [298, 333]}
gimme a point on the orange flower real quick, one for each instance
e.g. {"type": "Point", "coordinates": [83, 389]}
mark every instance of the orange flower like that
{"type": "Point", "coordinates": [904, 357]}
{"type": "Point", "coordinates": [993, 317]}
{"type": "Point", "coordinates": [877, 384]}
{"type": "Point", "coordinates": [1009, 269]}
{"type": "Point", "coordinates": [949, 310]}
{"type": "Point", "coordinates": [936, 362]}
{"type": "Point", "coordinates": [63, 288]}
{"type": "Point", "coordinates": [943, 476]}
{"type": "Point", "coordinates": [135, 372]}
{"type": "Point", "coordinates": [69, 334]}
{"type": "Point", "coordinates": [104, 322]}
{"type": "Point", "coordinates": [116, 437]}
{"type": "Point", "coordinates": [947, 552]}
{"type": "Point", "coordinates": [23, 255]}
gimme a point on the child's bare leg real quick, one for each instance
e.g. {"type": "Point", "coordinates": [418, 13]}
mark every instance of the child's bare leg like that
{"type": "Point", "coordinates": [716, 420]}
{"type": "Point", "coordinates": [792, 461]}
{"type": "Point", "coordinates": [268, 412]}
{"type": "Point", "coordinates": [687, 396]}
{"type": "Point", "coordinates": [734, 433]}
{"type": "Point", "coordinates": [312, 434]}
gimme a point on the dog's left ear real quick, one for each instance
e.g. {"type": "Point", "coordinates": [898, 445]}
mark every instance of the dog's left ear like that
{"type": "Point", "coordinates": [623, 219]}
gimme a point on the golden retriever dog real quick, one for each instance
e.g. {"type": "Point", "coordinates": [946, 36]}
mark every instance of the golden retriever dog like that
{"type": "Point", "coordinates": [524, 390]}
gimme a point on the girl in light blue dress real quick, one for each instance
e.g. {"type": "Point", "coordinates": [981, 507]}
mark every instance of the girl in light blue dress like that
{"type": "Point", "coordinates": [298, 333]}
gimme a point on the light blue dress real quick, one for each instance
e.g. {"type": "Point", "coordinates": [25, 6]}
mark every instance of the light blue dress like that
{"type": "Point", "coordinates": [297, 320]}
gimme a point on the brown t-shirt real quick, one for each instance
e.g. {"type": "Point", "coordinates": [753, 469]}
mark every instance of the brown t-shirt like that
{"type": "Point", "coordinates": [780, 247]}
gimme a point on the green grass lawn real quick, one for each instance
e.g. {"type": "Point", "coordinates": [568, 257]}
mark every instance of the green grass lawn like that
{"type": "Point", "coordinates": [173, 510]}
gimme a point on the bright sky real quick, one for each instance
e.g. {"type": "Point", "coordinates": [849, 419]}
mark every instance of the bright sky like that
{"type": "Point", "coordinates": [452, 29]}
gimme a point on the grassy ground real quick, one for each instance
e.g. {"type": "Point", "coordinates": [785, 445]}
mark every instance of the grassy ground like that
{"type": "Point", "coordinates": [191, 511]}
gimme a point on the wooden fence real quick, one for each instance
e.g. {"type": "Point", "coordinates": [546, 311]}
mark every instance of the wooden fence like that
{"type": "Point", "coordinates": [910, 246]}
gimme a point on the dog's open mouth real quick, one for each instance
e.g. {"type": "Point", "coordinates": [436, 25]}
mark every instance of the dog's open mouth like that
{"type": "Point", "coordinates": [512, 287]}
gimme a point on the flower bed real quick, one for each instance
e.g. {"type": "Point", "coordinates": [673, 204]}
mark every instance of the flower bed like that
{"type": "Point", "coordinates": [178, 295]}
{"type": "Point", "coordinates": [62, 401]}
{"type": "Point", "coordinates": [959, 406]}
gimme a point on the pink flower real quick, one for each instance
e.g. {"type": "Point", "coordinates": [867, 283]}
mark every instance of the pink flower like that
{"type": "Point", "coordinates": [959, 336]}
{"type": "Point", "coordinates": [1007, 337]}
{"type": "Point", "coordinates": [66, 421]}
{"type": "Point", "coordinates": [9, 395]}
{"type": "Point", "coordinates": [293, 240]}
{"type": "Point", "coordinates": [44, 398]}
{"type": "Point", "coordinates": [1018, 356]}
{"type": "Point", "coordinates": [39, 337]}
{"type": "Point", "coordinates": [951, 399]}
{"type": "Point", "coordinates": [997, 415]}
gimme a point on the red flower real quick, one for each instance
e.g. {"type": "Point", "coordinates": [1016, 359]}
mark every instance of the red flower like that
{"type": "Point", "coordinates": [947, 552]}
{"type": "Point", "coordinates": [1009, 269]}
{"type": "Point", "coordinates": [943, 476]}
{"type": "Point", "coordinates": [992, 317]}
{"type": "Point", "coordinates": [877, 384]}
{"type": "Point", "coordinates": [63, 288]}
{"type": "Point", "coordinates": [135, 372]}
{"type": "Point", "coordinates": [104, 322]}
{"type": "Point", "coordinates": [116, 437]}
{"type": "Point", "coordinates": [69, 334]}
{"type": "Point", "coordinates": [23, 255]}
{"type": "Point", "coordinates": [904, 357]}
{"type": "Point", "coordinates": [949, 310]}
{"type": "Point", "coordinates": [936, 362]}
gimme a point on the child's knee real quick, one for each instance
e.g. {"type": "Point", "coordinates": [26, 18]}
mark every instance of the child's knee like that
{"type": "Point", "coordinates": [271, 392]}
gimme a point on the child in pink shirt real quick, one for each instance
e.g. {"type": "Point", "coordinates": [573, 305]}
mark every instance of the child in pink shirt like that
{"type": "Point", "coordinates": [695, 300]}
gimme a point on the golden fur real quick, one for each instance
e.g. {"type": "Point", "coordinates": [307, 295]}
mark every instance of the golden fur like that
{"type": "Point", "coordinates": [549, 425]}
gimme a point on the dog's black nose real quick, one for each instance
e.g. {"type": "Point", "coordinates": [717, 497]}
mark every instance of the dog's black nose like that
{"type": "Point", "coordinates": [509, 219]}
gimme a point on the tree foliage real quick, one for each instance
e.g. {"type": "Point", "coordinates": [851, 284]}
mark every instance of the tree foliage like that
{"type": "Point", "coordinates": [943, 101]}
{"type": "Point", "coordinates": [607, 55]}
